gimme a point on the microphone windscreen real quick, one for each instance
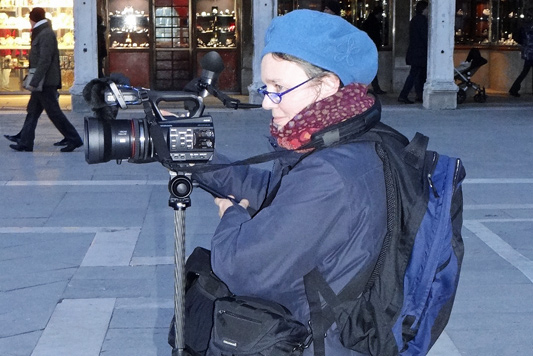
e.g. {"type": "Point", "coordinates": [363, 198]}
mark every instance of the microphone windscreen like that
{"type": "Point", "coordinates": [212, 62]}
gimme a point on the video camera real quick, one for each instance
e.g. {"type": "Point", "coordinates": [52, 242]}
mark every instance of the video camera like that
{"type": "Point", "coordinates": [173, 140]}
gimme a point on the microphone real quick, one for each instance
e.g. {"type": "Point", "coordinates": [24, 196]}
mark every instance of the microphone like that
{"type": "Point", "coordinates": [212, 65]}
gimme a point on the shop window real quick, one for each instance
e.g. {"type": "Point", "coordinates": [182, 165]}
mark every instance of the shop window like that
{"type": "Point", "coordinates": [484, 22]}
{"type": "Point", "coordinates": [217, 29]}
{"type": "Point", "coordinates": [128, 25]}
{"type": "Point", "coordinates": [354, 11]}
{"type": "Point", "coordinates": [171, 23]}
{"type": "Point", "coordinates": [15, 43]}
{"type": "Point", "coordinates": [215, 24]}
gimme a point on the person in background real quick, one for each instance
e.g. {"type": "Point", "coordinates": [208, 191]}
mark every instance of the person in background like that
{"type": "Point", "coordinates": [332, 7]}
{"type": "Point", "coordinates": [102, 46]}
{"type": "Point", "coordinates": [324, 209]}
{"type": "Point", "coordinates": [372, 26]}
{"type": "Point", "coordinates": [525, 39]}
{"type": "Point", "coordinates": [44, 58]}
{"type": "Point", "coordinates": [417, 53]}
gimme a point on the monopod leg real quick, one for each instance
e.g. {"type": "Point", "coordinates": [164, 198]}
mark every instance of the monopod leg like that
{"type": "Point", "coordinates": [179, 281]}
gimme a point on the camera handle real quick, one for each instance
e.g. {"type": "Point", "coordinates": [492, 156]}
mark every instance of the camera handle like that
{"type": "Point", "coordinates": [180, 188]}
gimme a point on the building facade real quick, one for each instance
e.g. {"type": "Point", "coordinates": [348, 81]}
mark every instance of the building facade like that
{"type": "Point", "coordinates": [159, 43]}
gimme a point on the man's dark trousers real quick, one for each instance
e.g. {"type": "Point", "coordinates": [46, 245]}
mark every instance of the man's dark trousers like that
{"type": "Point", "coordinates": [46, 100]}
{"type": "Point", "coordinates": [416, 78]}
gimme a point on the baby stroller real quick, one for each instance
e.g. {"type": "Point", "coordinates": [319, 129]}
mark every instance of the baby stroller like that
{"type": "Point", "coordinates": [464, 72]}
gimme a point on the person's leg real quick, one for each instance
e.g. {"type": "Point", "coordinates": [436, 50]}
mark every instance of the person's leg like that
{"type": "Point", "coordinates": [515, 88]}
{"type": "Point", "coordinates": [34, 110]}
{"type": "Point", "coordinates": [420, 80]}
{"type": "Point", "coordinates": [58, 118]}
{"type": "Point", "coordinates": [407, 86]}
{"type": "Point", "coordinates": [375, 86]}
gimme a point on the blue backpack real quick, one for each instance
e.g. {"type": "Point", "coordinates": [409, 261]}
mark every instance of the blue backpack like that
{"type": "Point", "coordinates": [402, 303]}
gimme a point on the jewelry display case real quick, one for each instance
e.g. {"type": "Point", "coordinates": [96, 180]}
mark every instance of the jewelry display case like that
{"type": "Point", "coordinates": [215, 28]}
{"type": "Point", "coordinates": [489, 22]}
{"type": "Point", "coordinates": [129, 28]}
{"type": "Point", "coordinates": [129, 40]}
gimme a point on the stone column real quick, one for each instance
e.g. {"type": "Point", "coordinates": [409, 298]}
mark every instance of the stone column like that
{"type": "Point", "coordinates": [440, 91]}
{"type": "Point", "coordinates": [85, 51]}
{"type": "Point", "coordinates": [263, 12]}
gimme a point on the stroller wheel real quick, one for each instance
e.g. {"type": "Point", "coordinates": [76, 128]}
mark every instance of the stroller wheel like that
{"type": "Point", "coordinates": [480, 98]}
{"type": "Point", "coordinates": [461, 96]}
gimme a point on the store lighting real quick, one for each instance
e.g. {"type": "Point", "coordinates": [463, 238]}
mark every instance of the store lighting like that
{"type": "Point", "coordinates": [130, 22]}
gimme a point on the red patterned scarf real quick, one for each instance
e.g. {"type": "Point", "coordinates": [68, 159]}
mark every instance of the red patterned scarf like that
{"type": "Point", "coordinates": [348, 102]}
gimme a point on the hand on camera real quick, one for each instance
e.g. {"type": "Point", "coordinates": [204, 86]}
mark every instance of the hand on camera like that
{"type": "Point", "coordinates": [224, 204]}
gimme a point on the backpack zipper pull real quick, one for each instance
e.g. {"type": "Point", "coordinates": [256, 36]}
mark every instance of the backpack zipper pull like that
{"type": "Point", "coordinates": [435, 194]}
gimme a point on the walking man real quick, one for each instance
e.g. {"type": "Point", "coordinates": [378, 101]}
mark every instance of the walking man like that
{"type": "Point", "coordinates": [44, 59]}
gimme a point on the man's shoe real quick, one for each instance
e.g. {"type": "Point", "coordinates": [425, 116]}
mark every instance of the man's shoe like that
{"type": "Point", "coordinates": [71, 146]}
{"type": "Point", "coordinates": [379, 91]}
{"type": "Point", "coordinates": [13, 138]}
{"type": "Point", "coordinates": [21, 148]}
{"type": "Point", "coordinates": [401, 99]}
{"type": "Point", "coordinates": [63, 142]}
{"type": "Point", "coordinates": [419, 100]}
{"type": "Point", "coordinates": [514, 93]}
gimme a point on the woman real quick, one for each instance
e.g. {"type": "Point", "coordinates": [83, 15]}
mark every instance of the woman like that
{"type": "Point", "coordinates": [322, 209]}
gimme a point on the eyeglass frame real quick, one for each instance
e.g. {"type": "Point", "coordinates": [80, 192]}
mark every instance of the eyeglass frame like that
{"type": "Point", "coordinates": [268, 94]}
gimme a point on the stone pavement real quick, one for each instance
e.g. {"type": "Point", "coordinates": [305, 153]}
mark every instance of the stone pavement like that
{"type": "Point", "coordinates": [86, 250]}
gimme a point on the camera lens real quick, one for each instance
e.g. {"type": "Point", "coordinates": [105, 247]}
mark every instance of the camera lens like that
{"type": "Point", "coordinates": [116, 139]}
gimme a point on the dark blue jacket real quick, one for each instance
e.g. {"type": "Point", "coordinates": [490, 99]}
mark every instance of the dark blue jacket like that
{"type": "Point", "coordinates": [329, 211]}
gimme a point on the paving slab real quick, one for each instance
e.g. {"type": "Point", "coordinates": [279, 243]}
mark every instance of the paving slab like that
{"type": "Point", "coordinates": [90, 247]}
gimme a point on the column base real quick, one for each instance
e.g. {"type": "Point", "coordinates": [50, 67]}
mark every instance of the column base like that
{"type": "Point", "coordinates": [439, 96]}
{"type": "Point", "coordinates": [77, 101]}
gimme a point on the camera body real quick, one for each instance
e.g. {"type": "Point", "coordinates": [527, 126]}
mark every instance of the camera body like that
{"type": "Point", "coordinates": [189, 138]}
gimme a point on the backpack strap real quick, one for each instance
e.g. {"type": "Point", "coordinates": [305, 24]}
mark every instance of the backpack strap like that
{"type": "Point", "coordinates": [321, 318]}
{"type": "Point", "coordinates": [415, 152]}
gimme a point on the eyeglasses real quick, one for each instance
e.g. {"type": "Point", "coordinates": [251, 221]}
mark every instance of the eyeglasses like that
{"type": "Point", "coordinates": [276, 97]}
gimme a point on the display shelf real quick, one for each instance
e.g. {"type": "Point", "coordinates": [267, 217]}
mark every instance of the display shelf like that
{"type": "Point", "coordinates": [129, 29]}
{"type": "Point", "coordinates": [215, 29]}
{"type": "Point", "coordinates": [15, 39]}
{"type": "Point", "coordinates": [489, 22]}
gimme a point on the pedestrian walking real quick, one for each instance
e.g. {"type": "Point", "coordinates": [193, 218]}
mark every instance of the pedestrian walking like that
{"type": "Point", "coordinates": [417, 53]}
{"type": "Point", "coordinates": [372, 26]}
{"type": "Point", "coordinates": [44, 63]}
{"type": "Point", "coordinates": [525, 39]}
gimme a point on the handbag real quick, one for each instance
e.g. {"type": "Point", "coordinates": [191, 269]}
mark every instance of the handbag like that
{"type": "Point", "coordinates": [248, 326]}
{"type": "Point", "coordinates": [219, 323]}
{"type": "Point", "coordinates": [27, 80]}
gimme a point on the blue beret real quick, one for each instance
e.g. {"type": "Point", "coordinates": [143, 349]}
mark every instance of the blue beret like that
{"type": "Point", "coordinates": [326, 41]}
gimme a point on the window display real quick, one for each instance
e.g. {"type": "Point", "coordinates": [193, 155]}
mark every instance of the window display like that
{"type": "Point", "coordinates": [15, 39]}
{"type": "Point", "coordinates": [353, 11]}
{"type": "Point", "coordinates": [489, 22]}
{"type": "Point", "coordinates": [128, 28]}
{"type": "Point", "coordinates": [216, 28]}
